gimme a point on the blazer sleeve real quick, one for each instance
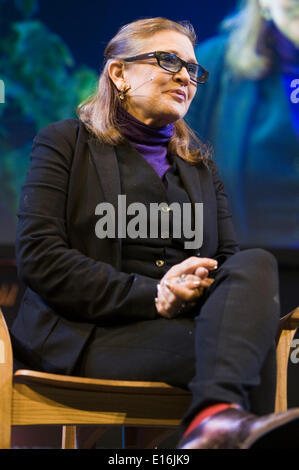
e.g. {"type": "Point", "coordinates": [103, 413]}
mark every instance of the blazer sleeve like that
{"type": "Point", "coordinates": [73, 284]}
{"type": "Point", "coordinates": [227, 240]}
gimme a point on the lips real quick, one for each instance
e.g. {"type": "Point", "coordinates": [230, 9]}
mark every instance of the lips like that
{"type": "Point", "coordinates": [179, 93]}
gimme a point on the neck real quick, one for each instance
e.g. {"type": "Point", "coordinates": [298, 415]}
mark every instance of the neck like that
{"type": "Point", "coordinates": [140, 132]}
{"type": "Point", "coordinates": [150, 142]}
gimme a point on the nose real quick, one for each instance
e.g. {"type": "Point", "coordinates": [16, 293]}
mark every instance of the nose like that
{"type": "Point", "coordinates": [182, 76]}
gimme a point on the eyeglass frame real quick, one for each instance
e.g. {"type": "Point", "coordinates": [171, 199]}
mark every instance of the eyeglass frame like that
{"type": "Point", "coordinates": [155, 55]}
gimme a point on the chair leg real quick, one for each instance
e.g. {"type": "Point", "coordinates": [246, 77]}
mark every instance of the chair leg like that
{"type": "Point", "coordinates": [154, 438]}
{"type": "Point", "coordinates": [5, 429]}
{"type": "Point", "coordinates": [69, 437]}
{"type": "Point", "coordinates": [283, 353]}
{"type": "Point", "coordinates": [87, 436]}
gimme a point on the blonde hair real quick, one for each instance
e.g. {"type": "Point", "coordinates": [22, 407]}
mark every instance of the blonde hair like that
{"type": "Point", "coordinates": [249, 45]}
{"type": "Point", "coordinates": [99, 111]}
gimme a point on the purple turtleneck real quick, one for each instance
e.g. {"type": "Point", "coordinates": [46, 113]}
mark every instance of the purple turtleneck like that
{"type": "Point", "coordinates": [288, 58]}
{"type": "Point", "coordinates": [150, 142]}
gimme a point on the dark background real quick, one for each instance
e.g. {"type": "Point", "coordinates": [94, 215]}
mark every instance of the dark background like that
{"type": "Point", "coordinates": [88, 26]}
{"type": "Point", "coordinates": [77, 32]}
{"type": "Point", "coordinates": [43, 69]}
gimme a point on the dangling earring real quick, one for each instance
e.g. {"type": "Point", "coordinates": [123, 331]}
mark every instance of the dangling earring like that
{"type": "Point", "coordinates": [122, 93]}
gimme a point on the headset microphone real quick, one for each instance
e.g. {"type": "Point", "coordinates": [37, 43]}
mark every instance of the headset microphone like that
{"type": "Point", "coordinates": [149, 80]}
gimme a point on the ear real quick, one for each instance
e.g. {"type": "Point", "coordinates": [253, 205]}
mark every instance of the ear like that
{"type": "Point", "coordinates": [116, 73]}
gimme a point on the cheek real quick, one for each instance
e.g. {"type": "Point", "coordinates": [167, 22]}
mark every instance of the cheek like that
{"type": "Point", "coordinates": [138, 76]}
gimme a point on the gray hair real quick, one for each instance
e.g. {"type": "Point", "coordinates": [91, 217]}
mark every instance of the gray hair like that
{"type": "Point", "coordinates": [248, 53]}
{"type": "Point", "coordinates": [99, 111]}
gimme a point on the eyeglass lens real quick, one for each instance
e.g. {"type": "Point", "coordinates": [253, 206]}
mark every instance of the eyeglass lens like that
{"type": "Point", "coordinates": [173, 63]}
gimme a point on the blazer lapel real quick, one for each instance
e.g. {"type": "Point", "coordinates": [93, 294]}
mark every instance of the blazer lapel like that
{"type": "Point", "coordinates": [190, 178]}
{"type": "Point", "coordinates": [104, 159]}
{"type": "Point", "coordinates": [196, 188]}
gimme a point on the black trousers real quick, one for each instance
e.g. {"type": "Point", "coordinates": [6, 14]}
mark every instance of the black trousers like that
{"type": "Point", "coordinates": [222, 351]}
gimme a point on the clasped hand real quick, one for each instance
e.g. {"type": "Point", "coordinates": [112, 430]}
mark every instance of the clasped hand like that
{"type": "Point", "coordinates": [182, 285]}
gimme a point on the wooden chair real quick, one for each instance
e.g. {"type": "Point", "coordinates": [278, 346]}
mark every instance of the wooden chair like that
{"type": "Point", "coordinates": [35, 398]}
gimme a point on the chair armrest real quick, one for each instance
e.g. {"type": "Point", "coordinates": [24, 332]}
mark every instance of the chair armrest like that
{"type": "Point", "coordinates": [292, 320]}
{"type": "Point", "coordinates": [286, 331]}
{"type": "Point", "coordinates": [288, 322]}
{"type": "Point", "coordinates": [6, 375]}
{"type": "Point", "coordinates": [6, 356]}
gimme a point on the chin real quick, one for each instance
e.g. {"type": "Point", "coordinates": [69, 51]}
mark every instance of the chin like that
{"type": "Point", "coordinates": [171, 119]}
{"type": "Point", "coordinates": [175, 113]}
{"type": "Point", "coordinates": [169, 113]}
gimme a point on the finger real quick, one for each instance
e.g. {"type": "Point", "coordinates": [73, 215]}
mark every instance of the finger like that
{"type": "Point", "coordinates": [182, 291]}
{"type": "Point", "coordinates": [161, 311]}
{"type": "Point", "coordinates": [191, 280]}
{"type": "Point", "coordinates": [160, 307]}
{"type": "Point", "coordinates": [169, 301]}
{"type": "Point", "coordinates": [165, 291]}
{"type": "Point", "coordinates": [190, 265]}
{"type": "Point", "coordinates": [162, 298]}
{"type": "Point", "coordinates": [199, 272]}
{"type": "Point", "coordinates": [166, 312]}
{"type": "Point", "coordinates": [207, 282]}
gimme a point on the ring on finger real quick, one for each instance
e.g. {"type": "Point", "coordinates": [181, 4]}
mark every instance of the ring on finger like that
{"type": "Point", "coordinates": [181, 278]}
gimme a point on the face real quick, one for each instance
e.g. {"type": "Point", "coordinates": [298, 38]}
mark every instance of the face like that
{"type": "Point", "coordinates": [157, 97]}
{"type": "Point", "coordinates": [285, 14]}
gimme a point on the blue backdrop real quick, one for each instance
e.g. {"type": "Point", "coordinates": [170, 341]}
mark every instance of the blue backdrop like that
{"type": "Point", "coordinates": [51, 53]}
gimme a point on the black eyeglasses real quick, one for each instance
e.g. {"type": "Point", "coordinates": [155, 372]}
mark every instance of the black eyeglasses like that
{"type": "Point", "coordinates": [172, 63]}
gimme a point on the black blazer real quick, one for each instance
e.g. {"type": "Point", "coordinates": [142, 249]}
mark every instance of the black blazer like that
{"type": "Point", "coordinates": [74, 278]}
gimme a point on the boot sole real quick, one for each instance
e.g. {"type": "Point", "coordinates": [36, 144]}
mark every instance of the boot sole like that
{"type": "Point", "coordinates": [282, 432]}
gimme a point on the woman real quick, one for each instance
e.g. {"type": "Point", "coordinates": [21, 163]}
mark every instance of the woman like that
{"type": "Point", "coordinates": [254, 70]}
{"type": "Point", "coordinates": [145, 307]}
